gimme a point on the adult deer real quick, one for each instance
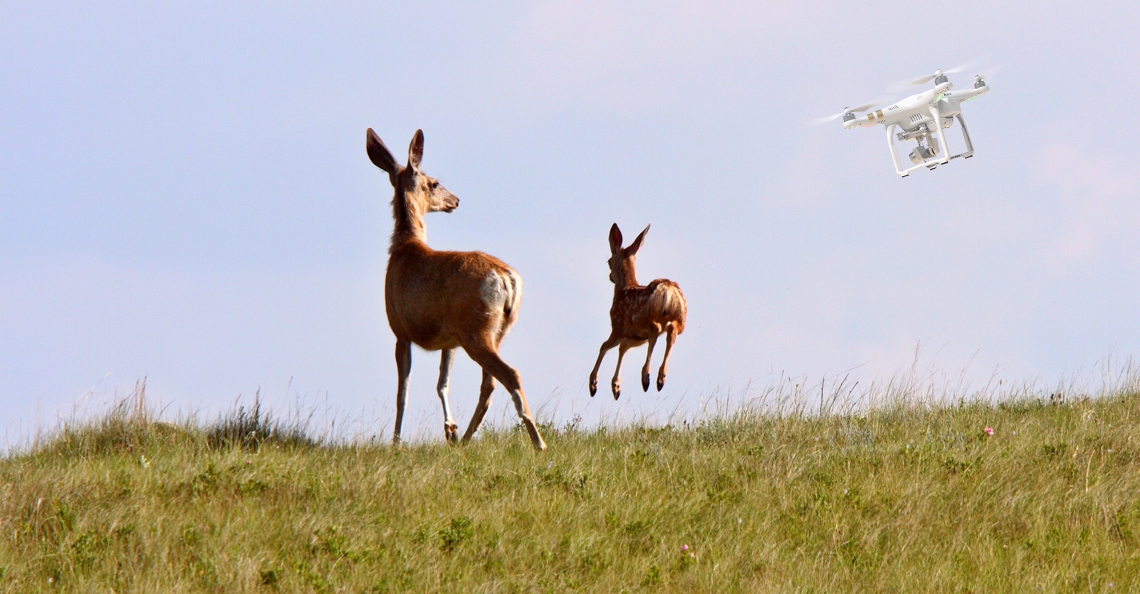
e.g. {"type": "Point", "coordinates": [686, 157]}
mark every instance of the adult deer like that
{"type": "Point", "coordinates": [444, 300]}
{"type": "Point", "coordinates": [639, 314]}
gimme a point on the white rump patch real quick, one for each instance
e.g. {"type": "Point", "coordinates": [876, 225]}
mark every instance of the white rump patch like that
{"type": "Point", "coordinates": [494, 291]}
{"type": "Point", "coordinates": [501, 291]}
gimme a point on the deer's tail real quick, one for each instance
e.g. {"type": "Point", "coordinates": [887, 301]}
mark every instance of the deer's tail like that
{"type": "Point", "coordinates": [668, 301]}
{"type": "Point", "coordinates": [513, 286]}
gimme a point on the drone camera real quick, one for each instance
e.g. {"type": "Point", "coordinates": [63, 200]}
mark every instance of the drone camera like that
{"type": "Point", "coordinates": [921, 154]}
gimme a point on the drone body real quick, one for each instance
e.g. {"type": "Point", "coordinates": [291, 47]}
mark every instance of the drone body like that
{"type": "Point", "coordinates": [922, 118]}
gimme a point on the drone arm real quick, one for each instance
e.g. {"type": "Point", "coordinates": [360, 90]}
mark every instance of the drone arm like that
{"type": "Point", "coordinates": [861, 122]}
{"type": "Point", "coordinates": [970, 93]}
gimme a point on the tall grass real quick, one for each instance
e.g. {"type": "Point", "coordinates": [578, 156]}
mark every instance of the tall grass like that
{"type": "Point", "coordinates": [806, 495]}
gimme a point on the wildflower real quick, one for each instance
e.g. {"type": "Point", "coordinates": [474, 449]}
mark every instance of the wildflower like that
{"type": "Point", "coordinates": [248, 462]}
{"type": "Point", "coordinates": [989, 430]}
{"type": "Point", "coordinates": [684, 548]}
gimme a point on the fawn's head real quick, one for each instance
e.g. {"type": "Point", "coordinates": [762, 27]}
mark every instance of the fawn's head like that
{"type": "Point", "coordinates": [420, 192]}
{"type": "Point", "coordinates": [622, 260]}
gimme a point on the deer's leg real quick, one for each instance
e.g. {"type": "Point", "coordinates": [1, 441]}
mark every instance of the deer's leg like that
{"type": "Point", "coordinates": [403, 370]}
{"type": "Point", "coordinates": [481, 408]}
{"type": "Point", "coordinates": [610, 343]}
{"type": "Point", "coordinates": [450, 429]}
{"type": "Point", "coordinates": [670, 336]}
{"type": "Point", "coordinates": [485, 355]}
{"type": "Point", "coordinates": [648, 358]}
{"type": "Point", "coordinates": [615, 384]}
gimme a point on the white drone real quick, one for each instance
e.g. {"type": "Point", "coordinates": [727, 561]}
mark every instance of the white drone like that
{"type": "Point", "coordinates": [921, 117]}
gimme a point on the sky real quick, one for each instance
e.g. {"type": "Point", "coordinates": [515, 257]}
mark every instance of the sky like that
{"type": "Point", "coordinates": [185, 198]}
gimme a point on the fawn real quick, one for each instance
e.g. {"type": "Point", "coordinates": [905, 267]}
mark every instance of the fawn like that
{"type": "Point", "coordinates": [443, 300]}
{"type": "Point", "coordinates": [639, 314]}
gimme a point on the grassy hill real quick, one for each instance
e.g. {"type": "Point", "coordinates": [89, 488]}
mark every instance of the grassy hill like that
{"type": "Point", "coordinates": [905, 499]}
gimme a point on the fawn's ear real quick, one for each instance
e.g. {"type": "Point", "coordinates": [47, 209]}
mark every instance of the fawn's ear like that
{"type": "Point", "coordinates": [615, 239]}
{"type": "Point", "coordinates": [636, 245]}
{"type": "Point", "coordinates": [416, 150]}
{"type": "Point", "coordinates": [380, 155]}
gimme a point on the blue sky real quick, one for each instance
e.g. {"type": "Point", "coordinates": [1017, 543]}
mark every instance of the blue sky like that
{"type": "Point", "coordinates": [184, 195]}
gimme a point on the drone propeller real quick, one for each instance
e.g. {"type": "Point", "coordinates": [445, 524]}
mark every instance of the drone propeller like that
{"type": "Point", "coordinates": [992, 70]}
{"type": "Point", "coordinates": [914, 82]}
{"type": "Point", "coordinates": [869, 105]}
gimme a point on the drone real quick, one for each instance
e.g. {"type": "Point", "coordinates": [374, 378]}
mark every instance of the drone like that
{"type": "Point", "coordinates": [921, 118]}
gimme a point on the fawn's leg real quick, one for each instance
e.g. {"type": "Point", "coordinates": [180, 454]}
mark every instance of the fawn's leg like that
{"type": "Point", "coordinates": [670, 336]}
{"type": "Point", "coordinates": [484, 354]}
{"type": "Point", "coordinates": [645, 368]}
{"type": "Point", "coordinates": [610, 343]}
{"type": "Point", "coordinates": [450, 429]}
{"type": "Point", "coordinates": [481, 408]}
{"type": "Point", "coordinates": [615, 384]}
{"type": "Point", "coordinates": [403, 370]}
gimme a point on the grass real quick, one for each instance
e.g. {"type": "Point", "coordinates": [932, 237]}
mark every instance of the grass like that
{"type": "Point", "coordinates": [901, 498]}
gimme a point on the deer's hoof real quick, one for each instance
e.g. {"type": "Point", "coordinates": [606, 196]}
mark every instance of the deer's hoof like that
{"type": "Point", "coordinates": [617, 390]}
{"type": "Point", "coordinates": [660, 382]}
{"type": "Point", "coordinates": [593, 387]}
{"type": "Point", "coordinates": [451, 432]}
{"type": "Point", "coordinates": [645, 382]}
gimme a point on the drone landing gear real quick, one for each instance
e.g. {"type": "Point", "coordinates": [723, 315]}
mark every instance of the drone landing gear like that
{"type": "Point", "coordinates": [926, 156]}
{"type": "Point", "coordinates": [969, 145]}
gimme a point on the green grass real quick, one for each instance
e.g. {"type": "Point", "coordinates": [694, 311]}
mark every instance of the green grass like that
{"type": "Point", "coordinates": [903, 499]}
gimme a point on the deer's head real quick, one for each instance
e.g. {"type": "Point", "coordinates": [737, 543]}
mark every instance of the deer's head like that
{"type": "Point", "coordinates": [419, 191]}
{"type": "Point", "coordinates": [622, 271]}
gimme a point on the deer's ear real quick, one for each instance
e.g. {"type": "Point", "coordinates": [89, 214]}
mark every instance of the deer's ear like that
{"type": "Point", "coordinates": [636, 245]}
{"type": "Point", "coordinates": [416, 150]}
{"type": "Point", "coordinates": [380, 155]}
{"type": "Point", "coordinates": [615, 239]}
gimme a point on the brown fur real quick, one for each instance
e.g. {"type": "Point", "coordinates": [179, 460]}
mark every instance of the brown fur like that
{"type": "Point", "coordinates": [443, 300]}
{"type": "Point", "coordinates": [639, 314]}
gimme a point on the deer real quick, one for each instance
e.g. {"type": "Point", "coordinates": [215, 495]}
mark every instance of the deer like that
{"type": "Point", "coordinates": [639, 314]}
{"type": "Point", "coordinates": [441, 300]}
